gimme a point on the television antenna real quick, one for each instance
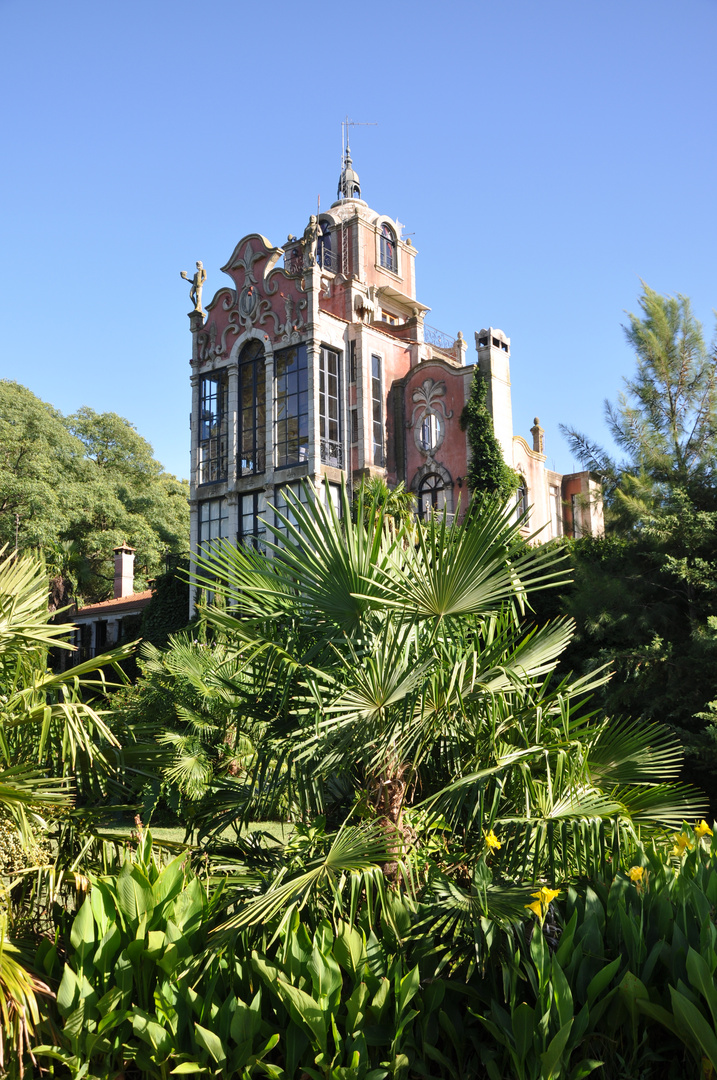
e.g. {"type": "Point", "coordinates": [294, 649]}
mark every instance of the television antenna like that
{"type": "Point", "coordinates": [345, 125]}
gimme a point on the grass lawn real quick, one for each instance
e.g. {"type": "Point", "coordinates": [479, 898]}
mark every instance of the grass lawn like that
{"type": "Point", "coordinates": [175, 835]}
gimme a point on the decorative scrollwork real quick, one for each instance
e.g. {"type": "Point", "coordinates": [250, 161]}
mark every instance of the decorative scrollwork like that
{"type": "Point", "coordinates": [426, 420]}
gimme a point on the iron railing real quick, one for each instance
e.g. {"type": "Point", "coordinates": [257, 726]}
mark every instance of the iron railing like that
{"type": "Point", "coordinates": [294, 260]}
{"type": "Point", "coordinates": [432, 336]}
{"type": "Point", "coordinates": [332, 453]}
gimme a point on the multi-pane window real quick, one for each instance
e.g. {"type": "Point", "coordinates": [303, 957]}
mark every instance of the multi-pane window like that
{"type": "Point", "coordinates": [377, 406]}
{"type": "Point", "coordinates": [213, 441]}
{"type": "Point", "coordinates": [252, 410]}
{"type": "Point", "coordinates": [292, 406]}
{"type": "Point", "coordinates": [284, 505]}
{"type": "Point", "coordinates": [332, 495]}
{"type": "Point", "coordinates": [354, 426]}
{"type": "Point", "coordinates": [252, 529]}
{"type": "Point", "coordinates": [388, 248]}
{"type": "Point", "coordinates": [329, 411]}
{"type": "Point", "coordinates": [213, 520]}
{"type": "Point", "coordinates": [431, 496]}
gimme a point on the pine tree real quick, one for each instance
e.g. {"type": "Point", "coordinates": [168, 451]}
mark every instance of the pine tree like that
{"type": "Point", "coordinates": [487, 472]}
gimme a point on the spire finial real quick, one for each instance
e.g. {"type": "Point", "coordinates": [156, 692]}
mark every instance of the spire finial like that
{"type": "Point", "coordinates": [349, 184]}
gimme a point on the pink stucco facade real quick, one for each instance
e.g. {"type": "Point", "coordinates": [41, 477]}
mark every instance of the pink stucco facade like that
{"type": "Point", "coordinates": [316, 361]}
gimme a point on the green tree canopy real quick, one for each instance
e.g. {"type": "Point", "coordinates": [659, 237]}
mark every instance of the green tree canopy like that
{"type": "Point", "coordinates": [79, 486]}
{"type": "Point", "coordinates": [665, 421]}
{"type": "Point", "coordinates": [645, 597]}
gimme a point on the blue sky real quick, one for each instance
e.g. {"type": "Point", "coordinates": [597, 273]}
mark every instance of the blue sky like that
{"type": "Point", "coordinates": [543, 156]}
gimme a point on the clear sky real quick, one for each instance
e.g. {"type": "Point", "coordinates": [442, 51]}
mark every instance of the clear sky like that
{"type": "Point", "coordinates": [543, 157]}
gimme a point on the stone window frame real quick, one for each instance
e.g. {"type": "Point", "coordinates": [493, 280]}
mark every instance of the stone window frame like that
{"type": "Point", "coordinates": [282, 446]}
{"type": "Point", "coordinates": [222, 516]}
{"type": "Point", "coordinates": [255, 367]}
{"type": "Point", "coordinates": [522, 503]}
{"type": "Point", "coordinates": [213, 447]}
{"type": "Point", "coordinates": [387, 246]}
{"type": "Point", "coordinates": [330, 428]}
{"type": "Point", "coordinates": [377, 401]}
{"type": "Point", "coordinates": [256, 536]}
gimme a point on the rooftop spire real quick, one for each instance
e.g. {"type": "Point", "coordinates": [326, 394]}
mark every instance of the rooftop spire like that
{"type": "Point", "coordinates": [349, 185]}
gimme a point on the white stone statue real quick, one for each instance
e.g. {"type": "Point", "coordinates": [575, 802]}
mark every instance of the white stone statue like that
{"type": "Point", "coordinates": [197, 282]}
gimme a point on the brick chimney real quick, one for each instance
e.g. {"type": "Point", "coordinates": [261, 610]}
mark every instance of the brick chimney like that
{"type": "Point", "coordinates": [124, 571]}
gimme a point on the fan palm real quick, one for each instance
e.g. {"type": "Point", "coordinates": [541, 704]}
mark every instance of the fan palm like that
{"type": "Point", "coordinates": [395, 666]}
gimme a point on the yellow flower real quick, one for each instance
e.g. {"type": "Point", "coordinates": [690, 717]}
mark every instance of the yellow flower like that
{"type": "Point", "coordinates": [492, 841]}
{"type": "Point", "coordinates": [636, 874]}
{"type": "Point", "coordinates": [702, 829]}
{"type": "Point", "coordinates": [682, 844]}
{"type": "Point", "coordinates": [543, 900]}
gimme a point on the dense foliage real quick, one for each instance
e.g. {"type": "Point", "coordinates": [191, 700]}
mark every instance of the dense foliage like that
{"type": "Point", "coordinates": [481, 877]}
{"type": "Point", "coordinates": [79, 486]}
{"type": "Point", "coordinates": [645, 597]}
{"type": "Point", "coordinates": [488, 472]}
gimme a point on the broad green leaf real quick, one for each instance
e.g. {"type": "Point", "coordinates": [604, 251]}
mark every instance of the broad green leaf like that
{"type": "Point", "coordinates": [152, 1033]}
{"type": "Point", "coordinates": [603, 978]}
{"type": "Point", "coordinates": [552, 1058]}
{"type": "Point", "coordinates": [211, 1042]}
{"type": "Point", "coordinates": [691, 1020]}
{"type": "Point", "coordinates": [702, 980]}
{"type": "Point", "coordinates": [82, 935]}
{"type": "Point", "coordinates": [134, 893]}
{"type": "Point", "coordinates": [523, 1029]}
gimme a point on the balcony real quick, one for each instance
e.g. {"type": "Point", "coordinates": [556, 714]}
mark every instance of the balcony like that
{"type": "Point", "coordinates": [432, 336]}
{"type": "Point", "coordinates": [294, 260]}
{"type": "Point", "coordinates": [332, 453]}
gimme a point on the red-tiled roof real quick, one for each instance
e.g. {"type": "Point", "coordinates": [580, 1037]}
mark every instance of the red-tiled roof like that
{"type": "Point", "coordinates": [134, 602]}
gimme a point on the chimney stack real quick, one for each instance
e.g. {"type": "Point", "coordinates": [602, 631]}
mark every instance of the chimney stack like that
{"type": "Point", "coordinates": [124, 571]}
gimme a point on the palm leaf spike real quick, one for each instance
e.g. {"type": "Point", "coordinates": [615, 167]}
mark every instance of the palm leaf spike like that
{"type": "Point", "coordinates": [354, 849]}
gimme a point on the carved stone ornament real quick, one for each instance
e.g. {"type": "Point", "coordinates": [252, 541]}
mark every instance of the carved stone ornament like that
{"type": "Point", "coordinates": [429, 416]}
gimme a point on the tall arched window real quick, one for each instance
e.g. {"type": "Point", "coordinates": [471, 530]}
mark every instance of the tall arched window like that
{"type": "Point", "coordinates": [431, 495]}
{"type": "Point", "coordinates": [324, 254]}
{"type": "Point", "coordinates": [252, 410]}
{"type": "Point", "coordinates": [388, 248]}
{"type": "Point", "coordinates": [521, 499]}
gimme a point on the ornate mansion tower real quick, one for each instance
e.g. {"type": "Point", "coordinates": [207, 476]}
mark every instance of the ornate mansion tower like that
{"type": "Point", "coordinates": [317, 362]}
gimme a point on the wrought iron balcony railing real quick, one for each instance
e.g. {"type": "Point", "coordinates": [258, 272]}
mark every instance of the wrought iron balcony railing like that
{"type": "Point", "coordinates": [436, 337]}
{"type": "Point", "coordinates": [332, 453]}
{"type": "Point", "coordinates": [294, 260]}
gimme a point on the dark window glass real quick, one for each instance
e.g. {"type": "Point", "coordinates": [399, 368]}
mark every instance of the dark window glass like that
{"type": "Point", "coordinates": [388, 248]}
{"type": "Point", "coordinates": [252, 529]}
{"type": "Point", "coordinates": [431, 496]}
{"type": "Point", "coordinates": [213, 457]}
{"type": "Point", "coordinates": [329, 408]}
{"type": "Point", "coordinates": [352, 361]}
{"type": "Point", "coordinates": [291, 427]}
{"type": "Point", "coordinates": [284, 506]}
{"type": "Point", "coordinates": [252, 410]}
{"type": "Point", "coordinates": [377, 406]}
{"type": "Point", "coordinates": [521, 498]}
{"type": "Point", "coordinates": [324, 255]}
{"type": "Point", "coordinates": [213, 519]}
{"type": "Point", "coordinates": [354, 426]}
